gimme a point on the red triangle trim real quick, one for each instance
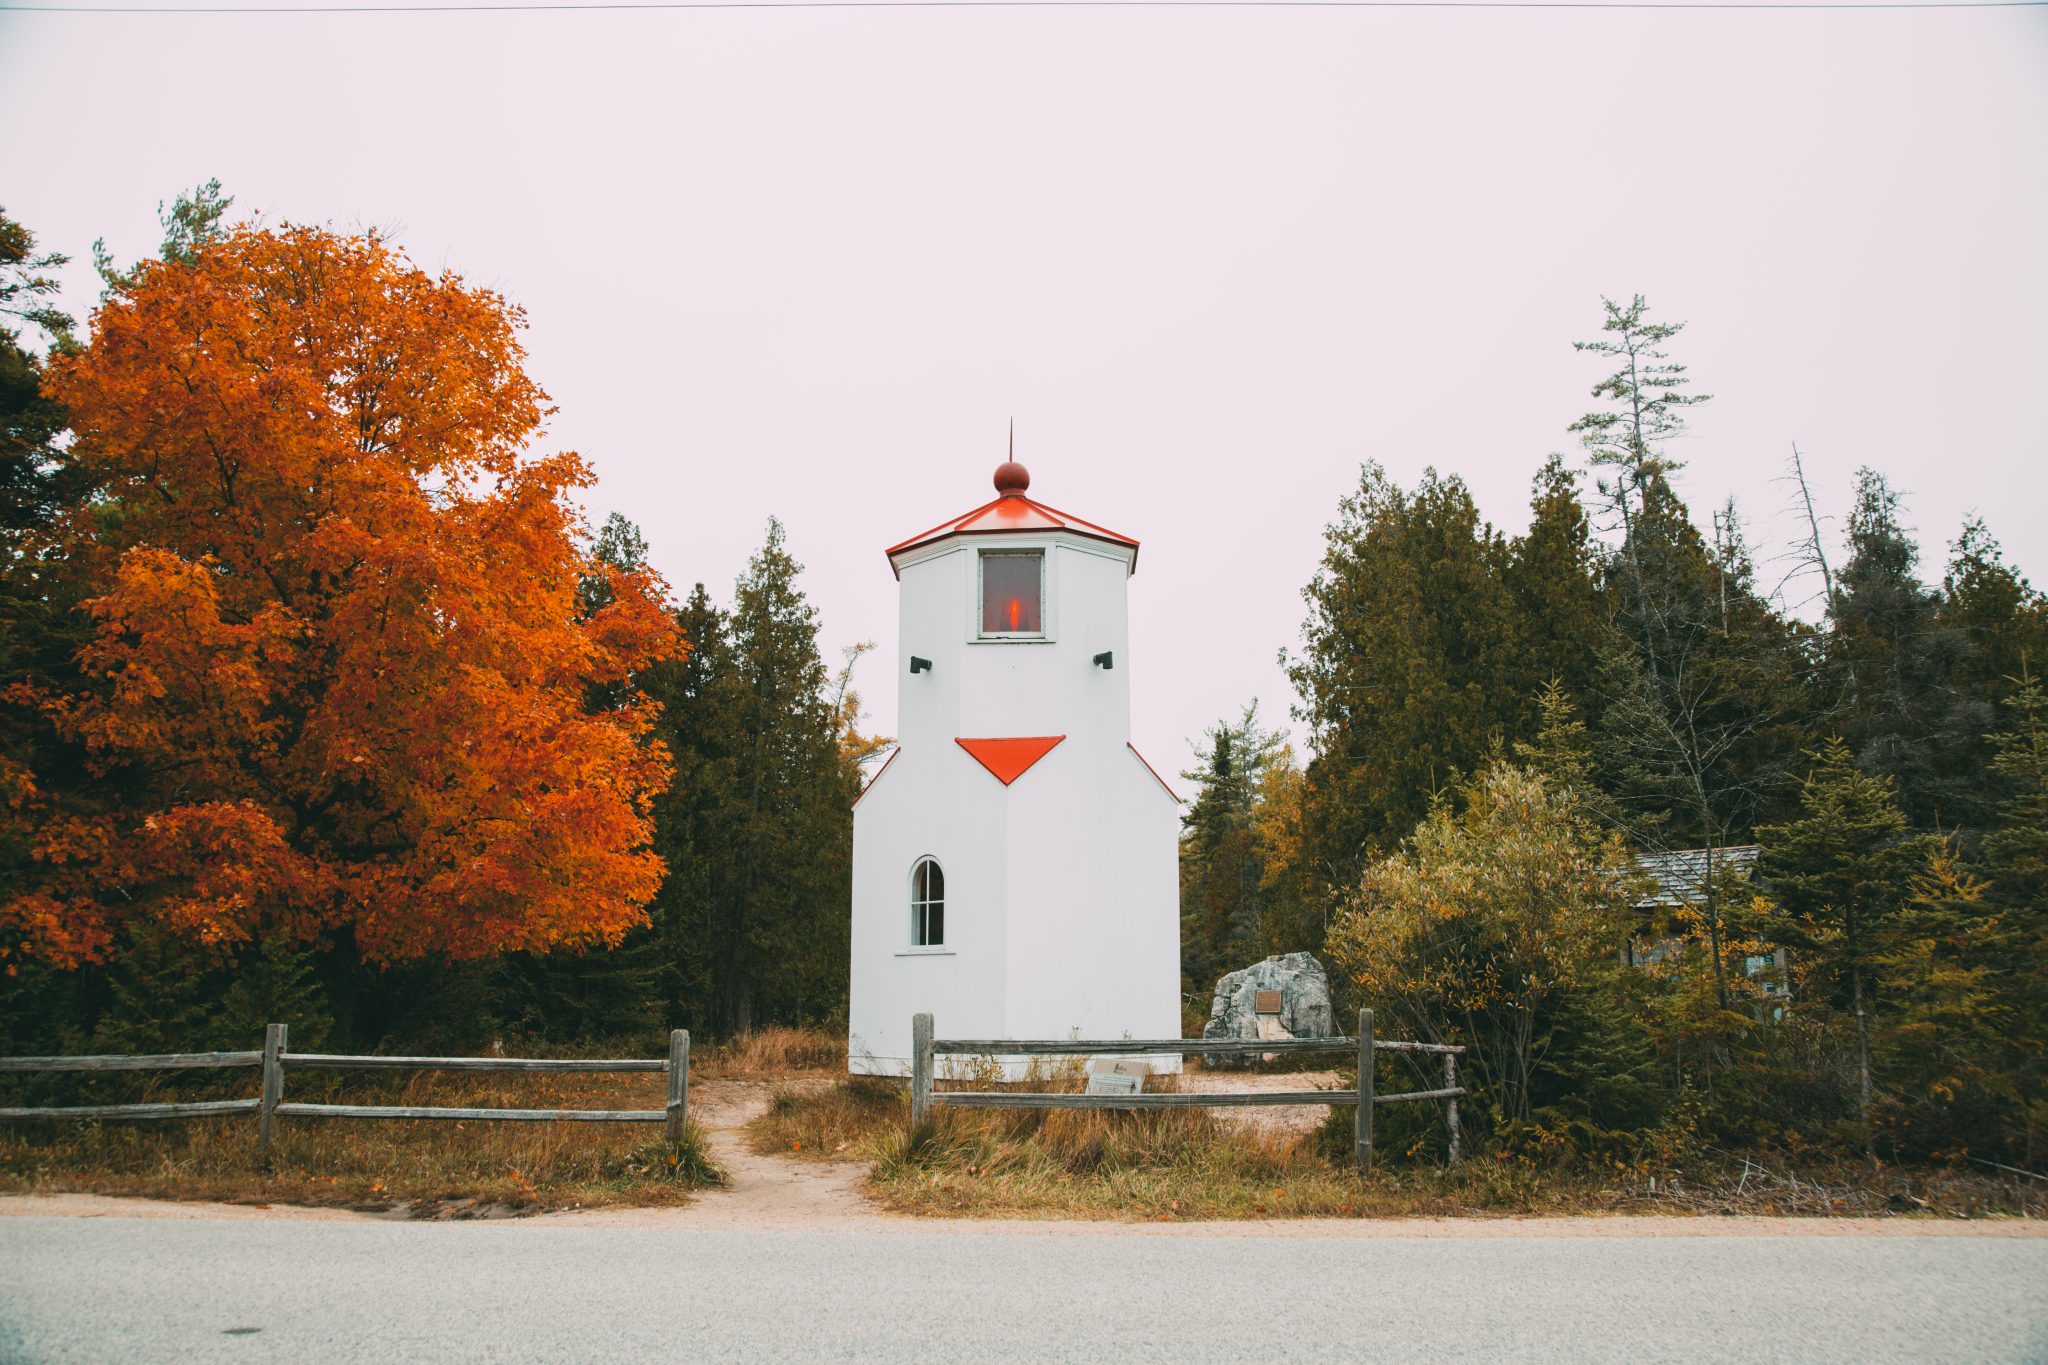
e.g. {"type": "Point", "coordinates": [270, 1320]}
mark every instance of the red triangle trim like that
{"type": "Point", "coordinates": [1009, 759]}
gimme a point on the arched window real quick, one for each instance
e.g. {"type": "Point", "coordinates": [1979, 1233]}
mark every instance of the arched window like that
{"type": "Point", "coordinates": [927, 904]}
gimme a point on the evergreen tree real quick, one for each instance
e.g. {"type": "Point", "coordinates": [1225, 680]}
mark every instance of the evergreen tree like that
{"type": "Point", "coordinates": [1296, 904]}
{"type": "Point", "coordinates": [2015, 857]}
{"type": "Point", "coordinates": [1562, 752]}
{"type": "Point", "coordinates": [1893, 658]}
{"type": "Point", "coordinates": [1222, 876]}
{"type": "Point", "coordinates": [1646, 397]}
{"type": "Point", "coordinates": [757, 828]}
{"type": "Point", "coordinates": [1706, 699]}
{"type": "Point", "coordinates": [1839, 873]}
{"type": "Point", "coordinates": [1704, 679]}
{"type": "Point", "coordinates": [2002, 619]}
{"type": "Point", "coordinates": [1954, 1040]}
{"type": "Point", "coordinates": [794, 922]}
{"type": "Point", "coordinates": [1998, 625]}
{"type": "Point", "coordinates": [1410, 667]}
{"type": "Point", "coordinates": [1553, 574]}
{"type": "Point", "coordinates": [695, 820]}
{"type": "Point", "coordinates": [189, 223]}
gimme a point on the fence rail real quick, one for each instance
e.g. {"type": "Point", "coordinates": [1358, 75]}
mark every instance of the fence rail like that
{"type": "Point", "coordinates": [162, 1061]}
{"type": "Point", "coordinates": [925, 1050]}
{"type": "Point", "coordinates": [275, 1059]}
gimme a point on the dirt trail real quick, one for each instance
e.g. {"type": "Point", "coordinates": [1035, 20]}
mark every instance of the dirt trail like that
{"type": "Point", "coordinates": [766, 1191]}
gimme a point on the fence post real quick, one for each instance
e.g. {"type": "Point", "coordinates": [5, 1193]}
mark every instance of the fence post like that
{"type": "Point", "coordinates": [678, 1084]}
{"type": "Point", "coordinates": [1362, 1144]}
{"type": "Point", "coordinates": [920, 1067]}
{"type": "Point", "coordinates": [1451, 1114]}
{"type": "Point", "coordinates": [273, 1088]}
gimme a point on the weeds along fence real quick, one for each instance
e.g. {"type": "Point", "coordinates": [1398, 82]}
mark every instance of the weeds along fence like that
{"type": "Point", "coordinates": [925, 1050]}
{"type": "Point", "coordinates": [274, 1060]}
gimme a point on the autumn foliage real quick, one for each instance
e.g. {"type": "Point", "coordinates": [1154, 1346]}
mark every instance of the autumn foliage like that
{"type": "Point", "coordinates": [339, 664]}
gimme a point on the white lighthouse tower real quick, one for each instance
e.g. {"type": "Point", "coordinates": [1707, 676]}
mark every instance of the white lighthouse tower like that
{"type": "Point", "coordinates": [1015, 866]}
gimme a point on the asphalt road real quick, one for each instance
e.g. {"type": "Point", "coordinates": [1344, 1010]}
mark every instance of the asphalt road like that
{"type": "Point", "coordinates": [140, 1290]}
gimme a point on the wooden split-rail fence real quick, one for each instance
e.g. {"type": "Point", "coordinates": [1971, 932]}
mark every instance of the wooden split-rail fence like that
{"type": "Point", "coordinates": [275, 1060]}
{"type": "Point", "coordinates": [925, 1050]}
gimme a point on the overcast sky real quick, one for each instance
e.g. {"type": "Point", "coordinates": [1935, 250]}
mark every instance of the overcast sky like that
{"type": "Point", "coordinates": [809, 263]}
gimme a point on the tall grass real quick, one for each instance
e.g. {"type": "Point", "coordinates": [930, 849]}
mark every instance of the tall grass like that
{"type": "Point", "coordinates": [775, 1052]}
{"type": "Point", "coordinates": [839, 1123]}
{"type": "Point", "coordinates": [462, 1167]}
{"type": "Point", "coordinates": [1177, 1164]}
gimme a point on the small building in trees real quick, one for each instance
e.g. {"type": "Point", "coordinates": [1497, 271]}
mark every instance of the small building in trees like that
{"type": "Point", "coordinates": [1015, 861]}
{"type": "Point", "coordinates": [1684, 877]}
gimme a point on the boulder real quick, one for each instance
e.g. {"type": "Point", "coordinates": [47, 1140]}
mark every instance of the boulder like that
{"type": "Point", "coordinates": [1294, 987]}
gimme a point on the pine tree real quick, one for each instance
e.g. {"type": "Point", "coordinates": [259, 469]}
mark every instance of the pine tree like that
{"type": "Point", "coordinates": [1562, 751]}
{"type": "Point", "coordinates": [1646, 396]}
{"type": "Point", "coordinates": [1222, 876]}
{"type": "Point", "coordinates": [1999, 627]}
{"type": "Point", "coordinates": [2015, 858]}
{"type": "Point", "coordinates": [189, 223]}
{"type": "Point", "coordinates": [1706, 698]}
{"type": "Point", "coordinates": [757, 828]}
{"type": "Point", "coordinates": [796, 873]}
{"type": "Point", "coordinates": [1893, 657]}
{"type": "Point", "coordinates": [1839, 874]}
{"type": "Point", "coordinates": [696, 820]}
{"type": "Point", "coordinates": [1953, 1031]}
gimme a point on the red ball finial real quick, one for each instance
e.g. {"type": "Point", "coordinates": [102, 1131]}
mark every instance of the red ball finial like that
{"type": "Point", "coordinates": [1012, 479]}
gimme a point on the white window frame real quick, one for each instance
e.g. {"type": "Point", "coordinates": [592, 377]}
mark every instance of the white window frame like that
{"type": "Point", "coordinates": [981, 558]}
{"type": "Point", "coordinates": [920, 910]}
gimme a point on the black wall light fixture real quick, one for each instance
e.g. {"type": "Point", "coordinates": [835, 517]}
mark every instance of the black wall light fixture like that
{"type": "Point", "coordinates": [918, 665]}
{"type": "Point", "coordinates": [1106, 659]}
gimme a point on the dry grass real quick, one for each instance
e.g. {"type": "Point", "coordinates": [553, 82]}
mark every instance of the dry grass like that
{"type": "Point", "coordinates": [838, 1123]}
{"type": "Point", "coordinates": [422, 1167]}
{"type": "Point", "coordinates": [774, 1052]}
{"type": "Point", "coordinates": [1063, 1163]}
{"type": "Point", "coordinates": [1186, 1164]}
{"type": "Point", "coordinates": [1189, 1164]}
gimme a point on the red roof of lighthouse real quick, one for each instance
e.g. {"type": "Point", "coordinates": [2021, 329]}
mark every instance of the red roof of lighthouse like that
{"type": "Point", "coordinates": [1013, 511]}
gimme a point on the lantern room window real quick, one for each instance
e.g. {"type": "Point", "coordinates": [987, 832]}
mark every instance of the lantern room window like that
{"type": "Point", "coordinates": [1013, 593]}
{"type": "Point", "coordinates": [927, 904]}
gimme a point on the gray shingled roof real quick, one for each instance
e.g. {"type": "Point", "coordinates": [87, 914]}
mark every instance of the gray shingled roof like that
{"type": "Point", "coordinates": [1681, 874]}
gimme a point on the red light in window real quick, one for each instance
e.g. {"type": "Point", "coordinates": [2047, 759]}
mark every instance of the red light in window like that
{"type": "Point", "coordinates": [1016, 609]}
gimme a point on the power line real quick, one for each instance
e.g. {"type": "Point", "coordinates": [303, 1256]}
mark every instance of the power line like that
{"type": "Point", "coordinates": [568, 6]}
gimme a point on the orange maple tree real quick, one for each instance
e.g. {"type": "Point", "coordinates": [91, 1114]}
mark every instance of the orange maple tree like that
{"type": "Point", "coordinates": [338, 655]}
